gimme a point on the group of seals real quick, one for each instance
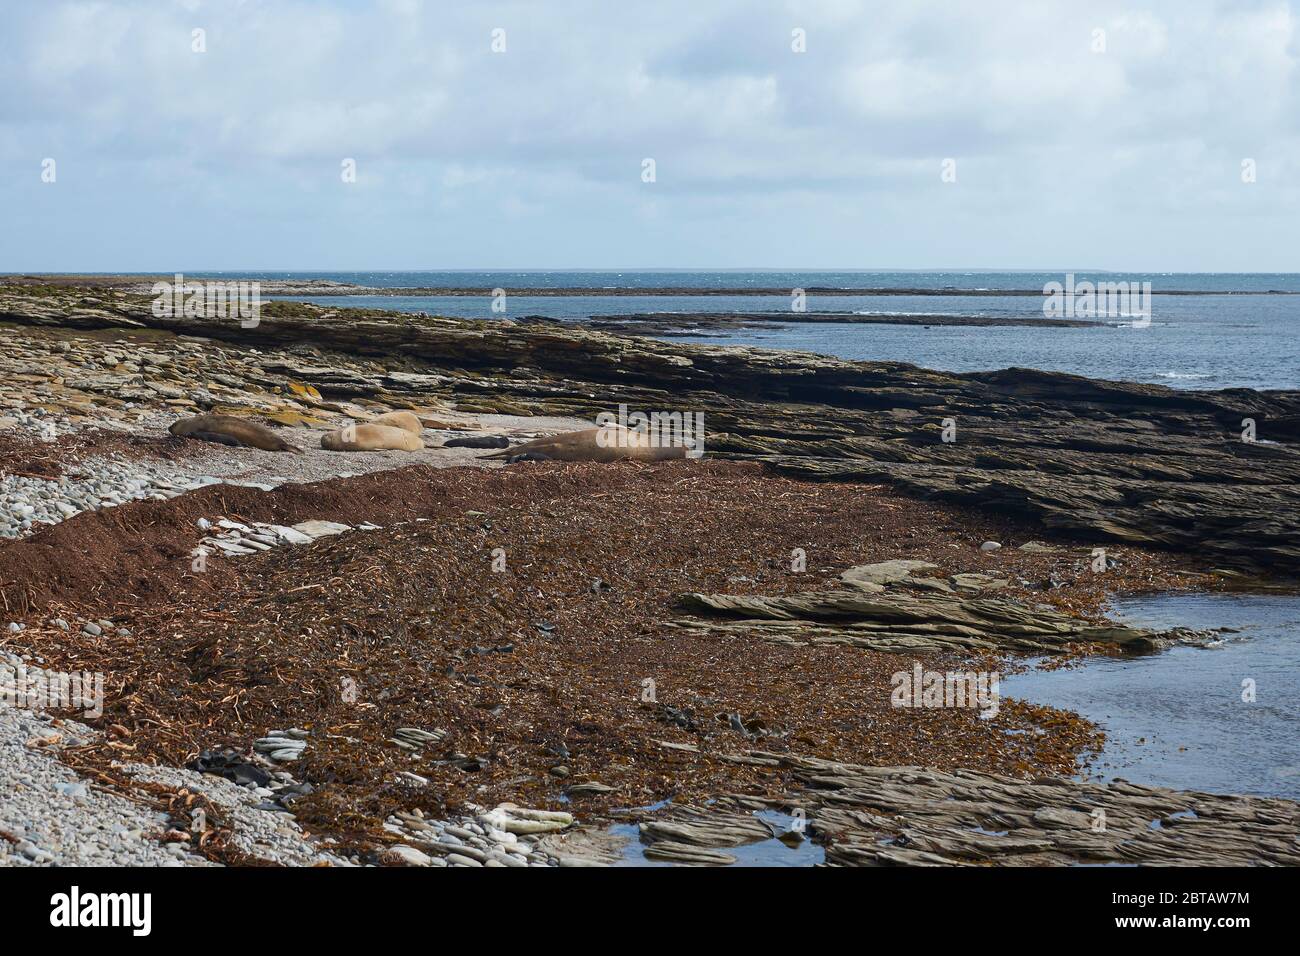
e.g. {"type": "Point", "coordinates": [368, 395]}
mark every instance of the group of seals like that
{"type": "Point", "coordinates": [604, 444]}
{"type": "Point", "coordinates": [229, 430]}
{"type": "Point", "coordinates": [399, 431]}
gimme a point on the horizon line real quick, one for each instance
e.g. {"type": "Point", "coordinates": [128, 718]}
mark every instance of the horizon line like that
{"type": "Point", "coordinates": [616, 269]}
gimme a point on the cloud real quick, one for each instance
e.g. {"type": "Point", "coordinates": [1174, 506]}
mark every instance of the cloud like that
{"type": "Point", "coordinates": [828, 157]}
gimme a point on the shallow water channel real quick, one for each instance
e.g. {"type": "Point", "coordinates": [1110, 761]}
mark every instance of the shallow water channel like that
{"type": "Point", "coordinates": [771, 852]}
{"type": "Point", "coordinates": [1178, 718]}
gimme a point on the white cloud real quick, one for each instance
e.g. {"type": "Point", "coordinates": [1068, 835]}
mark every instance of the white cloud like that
{"type": "Point", "coordinates": [458, 145]}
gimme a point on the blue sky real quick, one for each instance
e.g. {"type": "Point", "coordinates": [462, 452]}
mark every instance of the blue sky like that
{"type": "Point", "coordinates": [1066, 155]}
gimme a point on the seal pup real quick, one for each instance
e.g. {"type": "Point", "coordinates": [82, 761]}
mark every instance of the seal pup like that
{"type": "Point", "coordinates": [478, 441]}
{"type": "Point", "coordinates": [370, 437]}
{"type": "Point", "coordinates": [404, 420]}
{"type": "Point", "coordinates": [229, 430]}
{"type": "Point", "coordinates": [604, 444]}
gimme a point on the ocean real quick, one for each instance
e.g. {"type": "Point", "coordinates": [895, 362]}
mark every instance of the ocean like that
{"type": "Point", "coordinates": [1182, 718]}
{"type": "Point", "coordinates": [1229, 330]}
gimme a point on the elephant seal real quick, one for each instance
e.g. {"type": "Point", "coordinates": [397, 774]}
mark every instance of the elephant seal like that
{"type": "Point", "coordinates": [604, 444]}
{"type": "Point", "coordinates": [229, 430]}
{"type": "Point", "coordinates": [370, 437]}
{"type": "Point", "coordinates": [404, 420]}
{"type": "Point", "coordinates": [478, 441]}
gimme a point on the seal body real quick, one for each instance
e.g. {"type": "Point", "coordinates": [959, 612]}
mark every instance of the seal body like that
{"type": "Point", "coordinates": [370, 437]}
{"type": "Point", "coordinates": [229, 430]}
{"type": "Point", "coordinates": [407, 421]}
{"type": "Point", "coordinates": [477, 441]}
{"type": "Point", "coordinates": [604, 444]}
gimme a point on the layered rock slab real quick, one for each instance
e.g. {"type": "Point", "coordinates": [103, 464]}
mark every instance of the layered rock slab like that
{"type": "Point", "coordinates": [886, 816]}
{"type": "Point", "coordinates": [908, 623]}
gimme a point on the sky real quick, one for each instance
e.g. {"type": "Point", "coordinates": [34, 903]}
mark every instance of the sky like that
{"type": "Point", "coordinates": [1047, 134]}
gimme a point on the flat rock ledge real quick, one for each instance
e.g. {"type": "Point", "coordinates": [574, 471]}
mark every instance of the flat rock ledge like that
{"type": "Point", "coordinates": [887, 816]}
{"type": "Point", "coordinates": [885, 607]}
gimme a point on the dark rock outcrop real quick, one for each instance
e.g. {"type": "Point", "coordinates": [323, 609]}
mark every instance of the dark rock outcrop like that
{"type": "Point", "coordinates": [1103, 461]}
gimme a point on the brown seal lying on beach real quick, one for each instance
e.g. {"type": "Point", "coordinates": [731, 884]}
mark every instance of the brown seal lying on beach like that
{"type": "Point", "coordinates": [370, 437]}
{"type": "Point", "coordinates": [229, 430]}
{"type": "Point", "coordinates": [404, 420]}
{"type": "Point", "coordinates": [603, 444]}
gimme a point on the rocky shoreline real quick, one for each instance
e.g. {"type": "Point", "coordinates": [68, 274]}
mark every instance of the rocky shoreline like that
{"type": "Point", "coordinates": [328, 287]}
{"type": "Point", "coordinates": [1111, 461]}
{"type": "Point", "coordinates": [697, 323]}
{"type": "Point", "coordinates": [523, 689]}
